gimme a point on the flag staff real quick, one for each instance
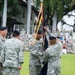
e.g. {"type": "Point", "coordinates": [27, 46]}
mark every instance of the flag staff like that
{"type": "Point", "coordinates": [39, 20]}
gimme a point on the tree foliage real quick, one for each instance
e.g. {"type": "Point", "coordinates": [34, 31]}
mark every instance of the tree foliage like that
{"type": "Point", "coordinates": [60, 6]}
{"type": "Point", "coordinates": [12, 7]}
{"type": "Point", "coordinates": [1, 5]}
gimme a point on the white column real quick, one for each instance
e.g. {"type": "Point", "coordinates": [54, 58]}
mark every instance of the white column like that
{"type": "Point", "coordinates": [61, 26]}
{"type": "Point", "coordinates": [4, 20]}
{"type": "Point", "coordinates": [54, 26]}
{"type": "Point", "coordinates": [29, 16]}
{"type": "Point", "coordinates": [41, 0]}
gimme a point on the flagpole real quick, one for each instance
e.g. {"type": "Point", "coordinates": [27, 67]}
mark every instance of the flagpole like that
{"type": "Point", "coordinates": [39, 20]}
{"type": "Point", "coordinates": [43, 22]}
{"type": "Point", "coordinates": [36, 23]}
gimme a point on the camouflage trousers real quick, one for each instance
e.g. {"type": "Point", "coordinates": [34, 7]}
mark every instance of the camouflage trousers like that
{"type": "Point", "coordinates": [34, 70]}
{"type": "Point", "coordinates": [1, 69]}
{"type": "Point", "coordinates": [11, 71]}
{"type": "Point", "coordinates": [53, 71]}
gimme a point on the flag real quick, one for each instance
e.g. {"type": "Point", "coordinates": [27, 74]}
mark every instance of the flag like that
{"type": "Point", "coordinates": [41, 20]}
{"type": "Point", "coordinates": [38, 21]}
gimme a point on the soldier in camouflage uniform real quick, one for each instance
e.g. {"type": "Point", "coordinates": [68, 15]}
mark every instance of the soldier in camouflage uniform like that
{"type": "Point", "coordinates": [52, 56]}
{"type": "Point", "coordinates": [36, 53]}
{"type": "Point", "coordinates": [12, 55]}
{"type": "Point", "coordinates": [3, 32]}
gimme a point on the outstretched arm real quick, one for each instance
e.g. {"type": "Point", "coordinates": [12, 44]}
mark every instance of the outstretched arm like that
{"type": "Point", "coordinates": [48, 31]}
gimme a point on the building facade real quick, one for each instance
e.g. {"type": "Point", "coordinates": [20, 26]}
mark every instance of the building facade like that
{"type": "Point", "coordinates": [21, 21]}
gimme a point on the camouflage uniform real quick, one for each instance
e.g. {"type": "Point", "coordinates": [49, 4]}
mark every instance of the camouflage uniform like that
{"type": "Point", "coordinates": [2, 40]}
{"type": "Point", "coordinates": [12, 56]}
{"type": "Point", "coordinates": [52, 56]}
{"type": "Point", "coordinates": [36, 53]}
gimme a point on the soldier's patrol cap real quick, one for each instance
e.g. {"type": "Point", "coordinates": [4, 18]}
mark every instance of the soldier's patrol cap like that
{"type": "Point", "coordinates": [3, 28]}
{"type": "Point", "coordinates": [52, 37]}
{"type": "Point", "coordinates": [15, 33]}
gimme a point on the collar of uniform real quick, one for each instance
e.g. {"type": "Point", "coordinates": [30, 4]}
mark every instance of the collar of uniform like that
{"type": "Point", "coordinates": [15, 38]}
{"type": "Point", "coordinates": [3, 39]}
{"type": "Point", "coordinates": [39, 41]}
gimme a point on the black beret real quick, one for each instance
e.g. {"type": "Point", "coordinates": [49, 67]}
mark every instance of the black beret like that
{"type": "Point", "coordinates": [52, 38]}
{"type": "Point", "coordinates": [3, 28]}
{"type": "Point", "coordinates": [58, 37]}
{"type": "Point", "coordinates": [16, 32]}
{"type": "Point", "coordinates": [39, 32]}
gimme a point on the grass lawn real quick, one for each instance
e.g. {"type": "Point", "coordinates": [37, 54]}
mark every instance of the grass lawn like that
{"type": "Point", "coordinates": [67, 64]}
